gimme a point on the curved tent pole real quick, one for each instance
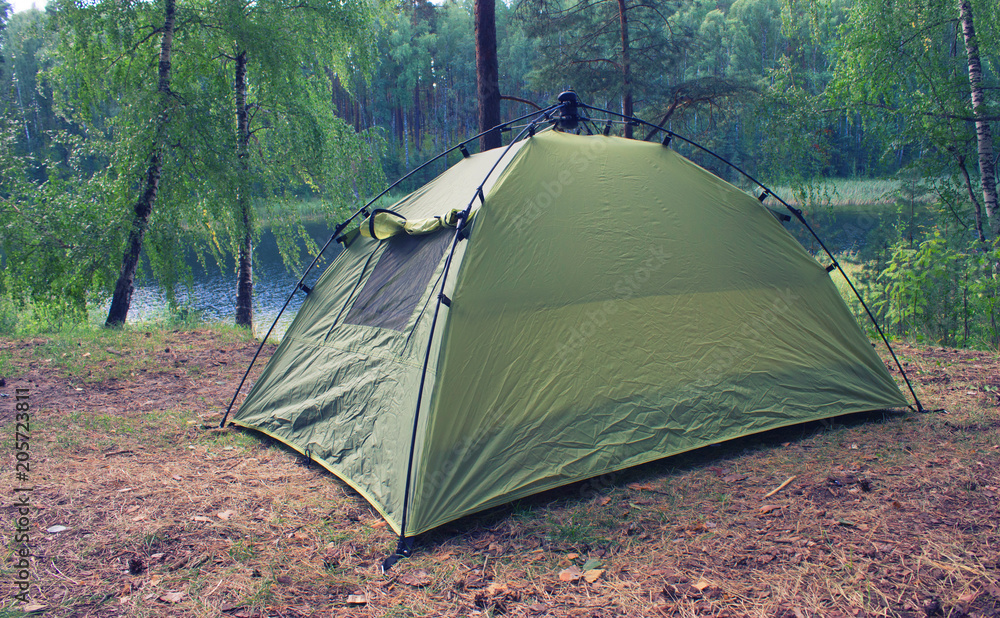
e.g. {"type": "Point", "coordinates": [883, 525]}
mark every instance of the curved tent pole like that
{"type": "Point", "coordinates": [795, 211]}
{"type": "Point", "coordinates": [404, 549]}
{"type": "Point", "coordinates": [341, 227]}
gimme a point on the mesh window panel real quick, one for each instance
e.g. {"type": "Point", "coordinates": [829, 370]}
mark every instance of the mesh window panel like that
{"type": "Point", "coordinates": [399, 280]}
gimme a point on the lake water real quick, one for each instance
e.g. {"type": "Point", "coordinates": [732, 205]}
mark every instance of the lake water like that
{"type": "Point", "coordinates": [214, 294]}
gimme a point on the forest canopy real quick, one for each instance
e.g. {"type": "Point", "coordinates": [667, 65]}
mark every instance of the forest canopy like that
{"type": "Point", "coordinates": [154, 129]}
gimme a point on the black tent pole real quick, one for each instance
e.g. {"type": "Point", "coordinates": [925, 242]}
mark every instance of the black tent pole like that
{"type": "Point", "coordinates": [404, 549]}
{"type": "Point", "coordinates": [336, 233]}
{"type": "Point", "coordinates": [798, 215]}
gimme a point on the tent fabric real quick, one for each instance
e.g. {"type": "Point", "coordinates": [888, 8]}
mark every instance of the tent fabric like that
{"type": "Point", "coordinates": [614, 304]}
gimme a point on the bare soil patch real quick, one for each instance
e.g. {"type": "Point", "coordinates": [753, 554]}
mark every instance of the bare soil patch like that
{"type": "Point", "coordinates": [881, 514]}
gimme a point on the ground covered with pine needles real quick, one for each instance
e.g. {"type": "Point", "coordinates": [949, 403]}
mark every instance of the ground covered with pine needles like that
{"type": "Point", "coordinates": [162, 514]}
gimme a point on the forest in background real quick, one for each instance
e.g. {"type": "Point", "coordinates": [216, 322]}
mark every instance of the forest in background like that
{"type": "Point", "coordinates": [263, 107]}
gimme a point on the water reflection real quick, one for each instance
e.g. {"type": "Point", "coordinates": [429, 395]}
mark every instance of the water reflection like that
{"type": "Point", "coordinates": [213, 296]}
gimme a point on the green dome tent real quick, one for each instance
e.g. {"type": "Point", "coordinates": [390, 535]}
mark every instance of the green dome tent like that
{"type": "Point", "coordinates": [606, 302]}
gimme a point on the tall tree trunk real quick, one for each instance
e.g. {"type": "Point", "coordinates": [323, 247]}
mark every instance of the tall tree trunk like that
{"type": "Point", "coordinates": [487, 73]}
{"type": "Point", "coordinates": [244, 278]}
{"type": "Point", "coordinates": [626, 68]}
{"type": "Point", "coordinates": [984, 136]}
{"type": "Point", "coordinates": [143, 208]}
{"type": "Point", "coordinates": [417, 120]}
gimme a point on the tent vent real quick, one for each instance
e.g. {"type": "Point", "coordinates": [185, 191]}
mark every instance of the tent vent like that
{"type": "Point", "coordinates": [465, 152]}
{"type": "Point", "coordinates": [762, 196]}
{"type": "Point", "coordinates": [305, 288]}
{"type": "Point", "coordinates": [444, 299]}
{"type": "Point", "coordinates": [831, 267]}
{"type": "Point", "coordinates": [667, 138]}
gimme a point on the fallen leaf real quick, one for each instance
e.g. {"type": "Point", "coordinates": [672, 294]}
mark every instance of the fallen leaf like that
{"type": "Point", "coordinates": [177, 477]}
{"type": "Point", "coordinates": [767, 508]}
{"type": "Point", "coordinates": [571, 574]}
{"type": "Point", "coordinates": [56, 529]}
{"type": "Point", "coordinates": [700, 585]}
{"type": "Point", "coordinates": [139, 517]}
{"type": "Point", "coordinates": [417, 579]}
{"type": "Point", "coordinates": [442, 556]}
{"type": "Point", "coordinates": [968, 598]}
{"type": "Point", "coordinates": [735, 478]}
{"type": "Point", "coordinates": [225, 515]}
{"type": "Point", "coordinates": [591, 563]}
{"type": "Point", "coordinates": [172, 597]}
{"type": "Point", "coordinates": [379, 524]}
{"type": "Point", "coordinates": [495, 588]}
{"type": "Point", "coordinates": [357, 599]}
{"type": "Point", "coordinates": [593, 575]}
{"type": "Point", "coordinates": [201, 518]}
{"type": "Point", "coordinates": [572, 556]}
{"type": "Point", "coordinates": [33, 607]}
{"type": "Point", "coordinates": [604, 500]}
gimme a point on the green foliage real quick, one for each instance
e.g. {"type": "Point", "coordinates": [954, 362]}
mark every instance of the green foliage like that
{"type": "Point", "coordinates": [935, 292]}
{"type": "Point", "coordinates": [79, 142]}
{"type": "Point", "coordinates": [903, 70]}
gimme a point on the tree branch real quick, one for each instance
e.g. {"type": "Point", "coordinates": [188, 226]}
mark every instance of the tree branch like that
{"type": "Point", "coordinates": [504, 97]}
{"type": "Point", "coordinates": [608, 60]}
{"type": "Point", "coordinates": [897, 110]}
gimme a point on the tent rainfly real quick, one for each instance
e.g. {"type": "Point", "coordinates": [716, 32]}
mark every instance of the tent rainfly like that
{"type": "Point", "coordinates": [599, 303]}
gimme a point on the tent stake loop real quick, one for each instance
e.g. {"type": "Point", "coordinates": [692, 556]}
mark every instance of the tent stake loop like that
{"type": "Point", "coordinates": [403, 550]}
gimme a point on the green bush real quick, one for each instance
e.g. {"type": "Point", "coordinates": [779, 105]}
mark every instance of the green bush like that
{"type": "Point", "coordinates": [935, 292]}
